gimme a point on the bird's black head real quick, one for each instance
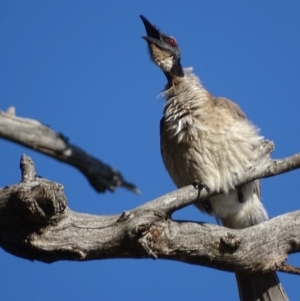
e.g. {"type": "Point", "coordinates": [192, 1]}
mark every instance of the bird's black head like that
{"type": "Point", "coordinates": [163, 49]}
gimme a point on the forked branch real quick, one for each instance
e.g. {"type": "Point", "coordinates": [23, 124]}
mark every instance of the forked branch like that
{"type": "Point", "coordinates": [35, 223]}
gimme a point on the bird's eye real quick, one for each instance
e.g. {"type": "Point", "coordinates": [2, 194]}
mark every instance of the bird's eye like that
{"type": "Point", "coordinates": [172, 41]}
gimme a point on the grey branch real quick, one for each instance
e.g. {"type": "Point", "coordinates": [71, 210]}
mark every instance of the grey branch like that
{"type": "Point", "coordinates": [35, 135]}
{"type": "Point", "coordinates": [36, 224]}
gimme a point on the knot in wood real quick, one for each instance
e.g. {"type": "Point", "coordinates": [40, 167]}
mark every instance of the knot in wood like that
{"type": "Point", "coordinates": [229, 243]}
{"type": "Point", "coordinates": [43, 202]}
{"type": "Point", "coordinates": [150, 237]}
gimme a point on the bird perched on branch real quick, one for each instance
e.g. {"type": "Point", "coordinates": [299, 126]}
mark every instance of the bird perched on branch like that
{"type": "Point", "coordinates": [208, 140]}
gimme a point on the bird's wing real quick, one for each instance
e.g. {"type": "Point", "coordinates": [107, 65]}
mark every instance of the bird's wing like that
{"type": "Point", "coordinates": [232, 107]}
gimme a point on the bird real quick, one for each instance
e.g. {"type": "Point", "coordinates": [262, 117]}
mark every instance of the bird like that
{"type": "Point", "coordinates": [209, 140]}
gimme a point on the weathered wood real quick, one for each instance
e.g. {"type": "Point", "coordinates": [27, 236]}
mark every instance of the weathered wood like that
{"type": "Point", "coordinates": [35, 223]}
{"type": "Point", "coordinates": [36, 135]}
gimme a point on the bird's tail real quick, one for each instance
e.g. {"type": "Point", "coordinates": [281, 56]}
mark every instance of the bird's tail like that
{"type": "Point", "coordinates": [266, 287]}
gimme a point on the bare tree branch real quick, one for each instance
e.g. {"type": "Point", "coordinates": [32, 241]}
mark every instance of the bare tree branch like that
{"type": "Point", "coordinates": [35, 223]}
{"type": "Point", "coordinates": [35, 135]}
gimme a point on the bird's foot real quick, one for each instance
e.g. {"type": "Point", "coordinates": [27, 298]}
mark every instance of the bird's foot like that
{"type": "Point", "coordinates": [240, 195]}
{"type": "Point", "coordinates": [200, 185]}
{"type": "Point", "coordinates": [205, 204]}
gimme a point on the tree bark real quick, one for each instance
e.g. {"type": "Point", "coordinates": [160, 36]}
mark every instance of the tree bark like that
{"type": "Point", "coordinates": [36, 224]}
{"type": "Point", "coordinates": [35, 135]}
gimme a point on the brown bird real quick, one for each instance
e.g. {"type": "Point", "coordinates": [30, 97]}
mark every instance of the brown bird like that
{"type": "Point", "coordinates": [209, 140]}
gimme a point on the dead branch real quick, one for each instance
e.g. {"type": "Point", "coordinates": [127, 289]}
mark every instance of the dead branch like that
{"type": "Point", "coordinates": [35, 135]}
{"type": "Point", "coordinates": [35, 223]}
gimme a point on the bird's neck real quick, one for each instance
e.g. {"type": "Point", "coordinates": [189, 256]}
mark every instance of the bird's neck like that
{"type": "Point", "coordinates": [186, 89]}
{"type": "Point", "coordinates": [186, 100]}
{"type": "Point", "coordinates": [186, 95]}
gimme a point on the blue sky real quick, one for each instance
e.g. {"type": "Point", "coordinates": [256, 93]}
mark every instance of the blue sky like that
{"type": "Point", "coordinates": [82, 68]}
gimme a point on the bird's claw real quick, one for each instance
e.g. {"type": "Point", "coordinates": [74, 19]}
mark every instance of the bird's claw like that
{"type": "Point", "coordinates": [205, 204]}
{"type": "Point", "coordinates": [200, 185]}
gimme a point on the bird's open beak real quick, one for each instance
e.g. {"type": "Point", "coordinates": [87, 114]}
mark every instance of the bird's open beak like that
{"type": "Point", "coordinates": [153, 35]}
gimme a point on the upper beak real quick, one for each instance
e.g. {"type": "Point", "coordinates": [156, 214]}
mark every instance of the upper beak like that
{"type": "Point", "coordinates": [153, 35]}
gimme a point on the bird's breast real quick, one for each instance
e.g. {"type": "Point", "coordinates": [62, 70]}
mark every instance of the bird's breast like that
{"type": "Point", "coordinates": [195, 150]}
